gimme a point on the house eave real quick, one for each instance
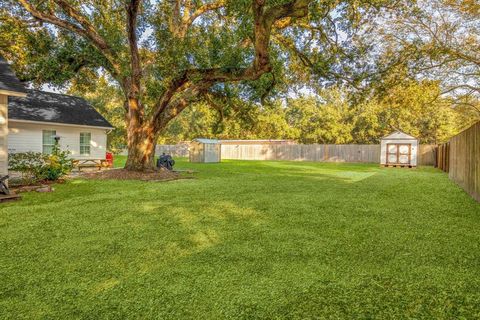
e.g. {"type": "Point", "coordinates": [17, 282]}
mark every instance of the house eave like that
{"type": "Point", "coordinates": [13, 93]}
{"type": "Point", "coordinates": [59, 124]}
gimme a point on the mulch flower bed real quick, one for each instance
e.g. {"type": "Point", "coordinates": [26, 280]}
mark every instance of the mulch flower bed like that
{"type": "Point", "coordinates": [122, 174]}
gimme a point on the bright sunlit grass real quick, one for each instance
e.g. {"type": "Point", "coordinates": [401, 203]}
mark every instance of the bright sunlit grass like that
{"type": "Point", "coordinates": [245, 240]}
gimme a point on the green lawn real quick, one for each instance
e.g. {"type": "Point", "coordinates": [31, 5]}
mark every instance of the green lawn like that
{"type": "Point", "coordinates": [245, 240]}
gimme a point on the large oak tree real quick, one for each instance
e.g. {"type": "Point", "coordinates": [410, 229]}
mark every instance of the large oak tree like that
{"type": "Point", "coordinates": [166, 55]}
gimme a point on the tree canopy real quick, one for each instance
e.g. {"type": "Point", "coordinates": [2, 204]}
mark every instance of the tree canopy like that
{"type": "Point", "coordinates": [166, 55]}
{"type": "Point", "coordinates": [314, 70]}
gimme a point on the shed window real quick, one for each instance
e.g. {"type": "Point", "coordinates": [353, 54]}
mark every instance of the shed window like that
{"type": "Point", "coordinates": [85, 142]}
{"type": "Point", "coordinates": [48, 141]}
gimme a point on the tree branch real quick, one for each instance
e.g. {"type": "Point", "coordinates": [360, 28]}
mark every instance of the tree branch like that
{"type": "Point", "coordinates": [86, 30]}
{"type": "Point", "coordinates": [190, 18]}
{"type": "Point", "coordinates": [263, 21]}
{"type": "Point", "coordinates": [179, 25]}
{"type": "Point", "coordinates": [132, 8]}
{"type": "Point", "coordinates": [190, 94]}
{"type": "Point", "coordinates": [205, 78]}
{"type": "Point", "coordinates": [133, 83]}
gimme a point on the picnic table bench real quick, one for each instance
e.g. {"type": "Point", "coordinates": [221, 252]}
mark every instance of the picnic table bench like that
{"type": "Point", "coordinates": [89, 163]}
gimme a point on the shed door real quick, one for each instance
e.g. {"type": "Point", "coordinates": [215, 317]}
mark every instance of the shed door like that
{"type": "Point", "coordinates": [399, 153]}
{"type": "Point", "coordinates": [211, 154]}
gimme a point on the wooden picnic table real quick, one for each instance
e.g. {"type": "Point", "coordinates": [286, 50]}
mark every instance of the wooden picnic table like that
{"type": "Point", "coordinates": [86, 163]}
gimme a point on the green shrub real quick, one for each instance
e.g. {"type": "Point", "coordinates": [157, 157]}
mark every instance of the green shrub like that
{"type": "Point", "coordinates": [58, 164]}
{"type": "Point", "coordinates": [29, 164]}
{"type": "Point", "coordinates": [35, 166]}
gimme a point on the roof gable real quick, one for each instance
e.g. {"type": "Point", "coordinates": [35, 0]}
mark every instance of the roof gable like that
{"type": "Point", "coordinates": [399, 135]}
{"type": "Point", "coordinates": [9, 81]}
{"type": "Point", "coordinates": [55, 108]}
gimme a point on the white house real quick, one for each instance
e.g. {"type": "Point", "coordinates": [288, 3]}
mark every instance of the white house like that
{"type": "Point", "coordinates": [41, 118]}
{"type": "Point", "coordinates": [10, 86]}
{"type": "Point", "coordinates": [399, 149]}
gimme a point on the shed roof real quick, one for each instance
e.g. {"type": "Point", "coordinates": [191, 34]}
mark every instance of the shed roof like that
{"type": "Point", "coordinates": [207, 141]}
{"type": "Point", "coordinates": [56, 108]}
{"type": "Point", "coordinates": [399, 135]}
{"type": "Point", "coordinates": [8, 79]}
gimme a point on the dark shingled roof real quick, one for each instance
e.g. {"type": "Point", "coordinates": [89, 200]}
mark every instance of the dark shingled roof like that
{"type": "Point", "coordinates": [8, 79]}
{"type": "Point", "coordinates": [56, 108]}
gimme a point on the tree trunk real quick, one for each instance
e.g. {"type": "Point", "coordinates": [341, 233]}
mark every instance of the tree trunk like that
{"type": "Point", "coordinates": [141, 149]}
{"type": "Point", "coordinates": [141, 138]}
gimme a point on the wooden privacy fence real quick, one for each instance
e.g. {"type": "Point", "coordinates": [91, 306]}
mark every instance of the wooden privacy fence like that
{"type": "Point", "coordinates": [426, 155]}
{"type": "Point", "coordinates": [175, 150]}
{"type": "Point", "coordinates": [442, 154]}
{"type": "Point", "coordinates": [460, 157]}
{"type": "Point", "coordinates": [367, 153]}
{"type": "Point", "coordinates": [302, 152]}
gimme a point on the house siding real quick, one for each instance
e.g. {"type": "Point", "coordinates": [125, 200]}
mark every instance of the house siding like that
{"type": "Point", "coordinates": [3, 134]}
{"type": "Point", "coordinates": [24, 137]}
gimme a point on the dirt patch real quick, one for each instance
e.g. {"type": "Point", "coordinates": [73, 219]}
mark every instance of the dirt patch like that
{"type": "Point", "coordinates": [122, 174]}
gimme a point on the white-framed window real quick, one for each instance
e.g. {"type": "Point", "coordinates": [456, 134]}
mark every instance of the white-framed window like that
{"type": "Point", "coordinates": [85, 142]}
{"type": "Point", "coordinates": [48, 141]}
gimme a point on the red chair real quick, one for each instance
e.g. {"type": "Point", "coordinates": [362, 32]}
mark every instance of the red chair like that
{"type": "Point", "coordinates": [109, 158]}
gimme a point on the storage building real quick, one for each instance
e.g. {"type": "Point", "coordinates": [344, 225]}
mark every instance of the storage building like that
{"type": "Point", "coordinates": [205, 150]}
{"type": "Point", "coordinates": [399, 150]}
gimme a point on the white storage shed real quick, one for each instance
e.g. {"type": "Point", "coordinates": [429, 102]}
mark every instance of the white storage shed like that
{"type": "Point", "coordinates": [205, 150]}
{"type": "Point", "coordinates": [399, 150]}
